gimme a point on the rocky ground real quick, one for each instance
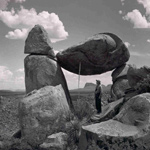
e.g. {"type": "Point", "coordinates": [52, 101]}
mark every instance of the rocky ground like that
{"type": "Point", "coordinates": [9, 122]}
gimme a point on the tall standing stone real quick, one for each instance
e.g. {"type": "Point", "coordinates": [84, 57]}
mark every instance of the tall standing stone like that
{"type": "Point", "coordinates": [41, 71]}
{"type": "Point", "coordinates": [41, 67]}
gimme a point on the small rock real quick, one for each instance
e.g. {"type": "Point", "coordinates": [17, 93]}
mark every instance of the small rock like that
{"type": "Point", "coordinates": [56, 141]}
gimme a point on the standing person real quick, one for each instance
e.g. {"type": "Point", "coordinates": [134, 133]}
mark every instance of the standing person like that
{"type": "Point", "coordinates": [98, 96]}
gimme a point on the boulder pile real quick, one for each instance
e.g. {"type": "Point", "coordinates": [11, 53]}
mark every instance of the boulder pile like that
{"type": "Point", "coordinates": [123, 124]}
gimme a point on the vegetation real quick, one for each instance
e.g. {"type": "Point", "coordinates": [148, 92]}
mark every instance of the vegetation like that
{"type": "Point", "coordinates": [143, 86]}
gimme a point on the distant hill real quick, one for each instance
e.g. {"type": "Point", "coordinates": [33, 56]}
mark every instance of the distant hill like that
{"type": "Point", "coordinates": [9, 92]}
{"type": "Point", "coordinates": [89, 88]}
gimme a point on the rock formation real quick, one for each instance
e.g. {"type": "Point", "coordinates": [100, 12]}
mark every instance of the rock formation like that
{"type": "Point", "coordinates": [129, 130]}
{"type": "Point", "coordinates": [41, 68]}
{"type": "Point", "coordinates": [41, 112]}
{"type": "Point", "coordinates": [38, 42]}
{"type": "Point", "coordinates": [56, 141]}
{"type": "Point", "coordinates": [101, 53]}
{"type": "Point", "coordinates": [137, 74]}
{"type": "Point", "coordinates": [120, 82]}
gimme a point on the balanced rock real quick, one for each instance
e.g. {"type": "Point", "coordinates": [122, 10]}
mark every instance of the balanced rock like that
{"type": "Point", "coordinates": [101, 53]}
{"type": "Point", "coordinates": [135, 75]}
{"type": "Point", "coordinates": [38, 42]}
{"type": "Point", "coordinates": [41, 113]}
{"type": "Point", "coordinates": [40, 71]}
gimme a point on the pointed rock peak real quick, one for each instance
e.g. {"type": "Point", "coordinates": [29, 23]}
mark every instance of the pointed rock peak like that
{"type": "Point", "coordinates": [38, 42]}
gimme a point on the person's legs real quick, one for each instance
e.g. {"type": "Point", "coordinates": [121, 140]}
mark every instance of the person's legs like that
{"type": "Point", "coordinates": [98, 104]}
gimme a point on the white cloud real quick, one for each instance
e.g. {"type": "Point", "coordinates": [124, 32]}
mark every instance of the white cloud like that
{"type": "Point", "coordinates": [5, 74]}
{"type": "Point", "coordinates": [148, 40]}
{"type": "Point", "coordinates": [20, 22]}
{"type": "Point", "coordinates": [4, 3]}
{"type": "Point", "coordinates": [17, 34]}
{"type": "Point", "coordinates": [20, 1]}
{"type": "Point", "coordinates": [120, 12]}
{"type": "Point", "coordinates": [146, 5]}
{"type": "Point", "coordinates": [127, 44]}
{"type": "Point", "coordinates": [21, 70]}
{"type": "Point", "coordinates": [122, 2]}
{"type": "Point", "coordinates": [137, 19]}
{"type": "Point", "coordinates": [10, 80]}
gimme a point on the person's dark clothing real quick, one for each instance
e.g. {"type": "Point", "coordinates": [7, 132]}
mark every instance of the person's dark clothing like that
{"type": "Point", "coordinates": [98, 94]}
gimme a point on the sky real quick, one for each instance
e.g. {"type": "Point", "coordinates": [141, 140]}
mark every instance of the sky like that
{"type": "Point", "coordinates": [69, 22]}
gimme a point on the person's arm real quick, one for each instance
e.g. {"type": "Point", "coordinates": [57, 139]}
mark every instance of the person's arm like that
{"type": "Point", "coordinates": [100, 92]}
{"type": "Point", "coordinates": [97, 90]}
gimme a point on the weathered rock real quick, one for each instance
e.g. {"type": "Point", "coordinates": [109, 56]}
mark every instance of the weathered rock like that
{"type": "Point", "coordinates": [120, 72]}
{"type": "Point", "coordinates": [135, 75]}
{"type": "Point", "coordinates": [56, 141]}
{"type": "Point", "coordinates": [118, 88]}
{"type": "Point", "coordinates": [136, 111]}
{"type": "Point", "coordinates": [41, 113]}
{"type": "Point", "coordinates": [101, 53]}
{"type": "Point", "coordinates": [38, 42]}
{"type": "Point", "coordinates": [130, 130]}
{"type": "Point", "coordinates": [110, 135]}
{"type": "Point", "coordinates": [41, 71]}
{"type": "Point", "coordinates": [109, 111]}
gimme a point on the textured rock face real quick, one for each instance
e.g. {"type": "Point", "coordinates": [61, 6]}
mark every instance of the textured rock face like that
{"type": "Point", "coordinates": [38, 42]}
{"type": "Point", "coordinates": [108, 135]}
{"type": "Point", "coordinates": [40, 113]}
{"type": "Point", "coordinates": [119, 87]}
{"type": "Point", "coordinates": [136, 111]}
{"type": "Point", "coordinates": [99, 54]}
{"type": "Point", "coordinates": [120, 82]}
{"type": "Point", "coordinates": [56, 141]}
{"type": "Point", "coordinates": [129, 130]}
{"type": "Point", "coordinates": [120, 72]}
{"type": "Point", "coordinates": [41, 71]}
{"type": "Point", "coordinates": [108, 111]}
{"type": "Point", "coordinates": [135, 75]}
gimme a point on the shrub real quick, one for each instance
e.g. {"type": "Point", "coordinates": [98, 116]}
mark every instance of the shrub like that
{"type": "Point", "coordinates": [144, 85]}
{"type": "Point", "coordinates": [83, 109]}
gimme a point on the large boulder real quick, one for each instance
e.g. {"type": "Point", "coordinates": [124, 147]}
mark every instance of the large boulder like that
{"type": "Point", "coordinates": [101, 53]}
{"type": "Point", "coordinates": [41, 71]}
{"type": "Point", "coordinates": [129, 130]}
{"type": "Point", "coordinates": [137, 74]}
{"type": "Point", "coordinates": [113, 135]}
{"type": "Point", "coordinates": [41, 113]}
{"type": "Point", "coordinates": [136, 111]}
{"type": "Point", "coordinates": [38, 42]}
{"type": "Point", "coordinates": [108, 111]}
{"type": "Point", "coordinates": [118, 88]}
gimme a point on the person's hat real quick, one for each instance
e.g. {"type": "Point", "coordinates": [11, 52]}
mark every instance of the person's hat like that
{"type": "Point", "coordinates": [98, 81]}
